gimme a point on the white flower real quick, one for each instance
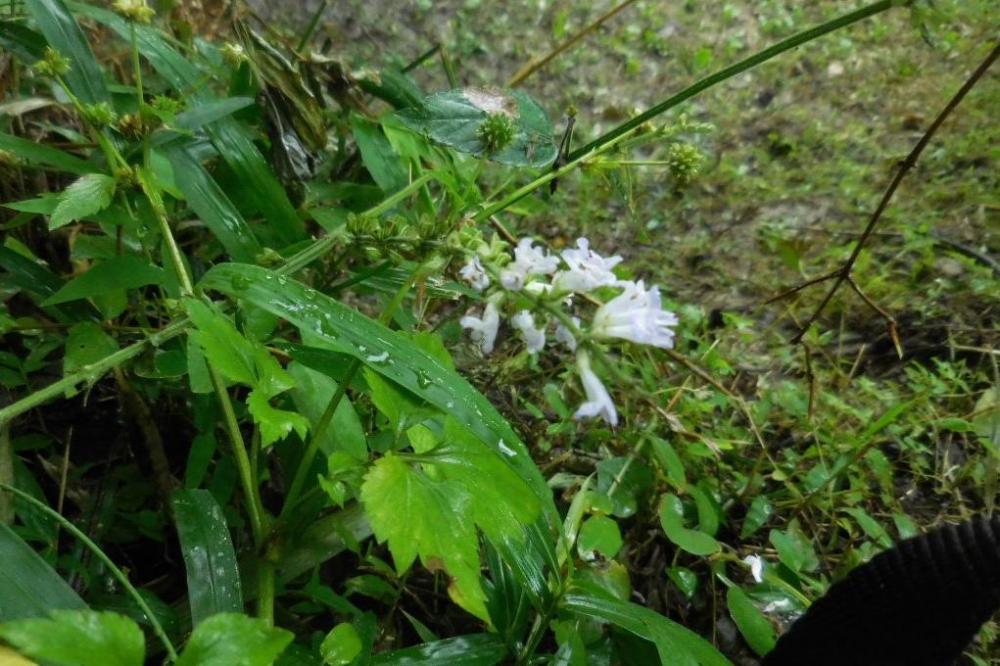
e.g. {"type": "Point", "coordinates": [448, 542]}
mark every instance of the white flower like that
{"type": "Point", "coordinates": [636, 315]}
{"type": "Point", "coordinates": [528, 261]}
{"type": "Point", "coordinates": [564, 336]}
{"type": "Point", "coordinates": [587, 269]}
{"type": "Point", "coordinates": [598, 401]}
{"type": "Point", "coordinates": [474, 273]}
{"type": "Point", "coordinates": [534, 337]}
{"type": "Point", "coordinates": [484, 331]}
{"type": "Point", "coordinates": [756, 564]}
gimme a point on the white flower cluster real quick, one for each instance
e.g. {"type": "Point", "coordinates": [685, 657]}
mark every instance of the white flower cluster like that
{"type": "Point", "coordinates": [635, 314]}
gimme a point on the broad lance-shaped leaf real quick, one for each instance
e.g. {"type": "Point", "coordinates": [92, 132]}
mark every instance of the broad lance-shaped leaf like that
{"type": "Point", "coordinates": [213, 577]}
{"type": "Point", "coordinates": [84, 77]}
{"type": "Point", "coordinates": [420, 516]}
{"type": "Point", "coordinates": [121, 272]}
{"type": "Point", "coordinates": [212, 206]}
{"type": "Point", "coordinates": [29, 587]}
{"type": "Point", "coordinates": [458, 118]}
{"type": "Point", "coordinates": [675, 644]}
{"type": "Point", "coordinates": [754, 626]}
{"type": "Point", "coordinates": [38, 153]}
{"type": "Point", "coordinates": [388, 353]}
{"type": "Point", "coordinates": [78, 638]}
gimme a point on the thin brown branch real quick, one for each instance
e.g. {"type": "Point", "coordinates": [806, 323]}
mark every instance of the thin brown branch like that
{"type": "Point", "coordinates": [843, 273]}
{"type": "Point", "coordinates": [537, 63]}
{"type": "Point", "coordinates": [890, 321]}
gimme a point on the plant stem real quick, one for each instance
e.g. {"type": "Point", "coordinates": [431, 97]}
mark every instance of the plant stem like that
{"type": "Point", "coordinates": [302, 471]}
{"type": "Point", "coordinates": [733, 70]}
{"type": "Point", "coordinates": [112, 567]}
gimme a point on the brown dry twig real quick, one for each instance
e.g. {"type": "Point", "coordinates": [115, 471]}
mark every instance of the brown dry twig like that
{"type": "Point", "coordinates": [843, 273]}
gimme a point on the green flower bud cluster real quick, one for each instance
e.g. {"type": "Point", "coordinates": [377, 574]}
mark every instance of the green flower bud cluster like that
{"type": "Point", "coordinates": [233, 54]}
{"type": "Point", "coordinates": [134, 10]}
{"type": "Point", "coordinates": [684, 161]}
{"type": "Point", "coordinates": [496, 132]}
{"type": "Point", "coordinates": [52, 63]}
{"type": "Point", "coordinates": [99, 115]}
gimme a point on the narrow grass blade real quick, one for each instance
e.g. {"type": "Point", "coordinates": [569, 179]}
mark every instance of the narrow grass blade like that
{"type": "Point", "coordinates": [84, 77]}
{"type": "Point", "coordinates": [471, 650]}
{"type": "Point", "coordinates": [213, 576]}
{"type": "Point", "coordinates": [29, 587]}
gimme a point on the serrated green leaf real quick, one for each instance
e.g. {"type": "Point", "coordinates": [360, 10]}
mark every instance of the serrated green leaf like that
{"type": "Point", "coordinates": [672, 520]}
{"type": "Point", "coordinates": [78, 638]}
{"type": "Point", "coordinates": [756, 628]}
{"type": "Point", "coordinates": [231, 353]}
{"type": "Point", "coordinates": [29, 587]}
{"type": "Point", "coordinates": [84, 196]}
{"type": "Point", "coordinates": [419, 516]}
{"type": "Point", "coordinates": [275, 424]}
{"type": "Point", "coordinates": [213, 576]}
{"type": "Point", "coordinates": [454, 118]}
{"type": "Point", "coordinates": [121, 272]}
{"type": "Point", "coordinates": [228, 638]}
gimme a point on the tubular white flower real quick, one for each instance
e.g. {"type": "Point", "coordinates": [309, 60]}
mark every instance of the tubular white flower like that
{"type": "Point", "coordinates": [564, 336]}
{"type": "Point", "coordinates": [534, 337]}
{"type": "Point", "coordinates": [636, 315]}
{"type": "Point", "coordinates": [756, 564]}
{"type": "Point", "coordinates": [598, 400]}
{"type": "Point", "coordinates": [474, 273]}
{"type": "Point", "coordinates": [483, 331]}
{"type": "Point", "coordinates": [587, 269]}
{"type": "Point", "coordinates": [528, 260]}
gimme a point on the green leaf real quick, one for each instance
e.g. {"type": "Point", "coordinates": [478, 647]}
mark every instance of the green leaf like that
{"type": "Point", "coordinates": [63, 34]}
{"type": "Point", "coordinates": [676, 645]}
{"type": "Point", "coordinates": [213, 577]}
{"type": "Point", "coordinates": [341, 645]}
{"type": "Point", "coordinates": [86, 343]}
{"type": "Point", "coordinates": [875, 532]}
{"type": "Point", "coordinates": [794, 550]}
{"type": "Point", "coordinates": [756, 628]}
{"type": "Point", "coordinates": [672, 519]}
{"type": "Point", "coordinates": [501, 502]}
{"type": "Point", "coordinates": [666, 456]}
{"type": "Point", "coordinates": [377, 154]}
{"type": "Point", "coordinates": [685, 580]}
{"type": "Point", "coordinates": [85, 196]}
{"type": "Point", "coordinates": [212, 206]}
{"type": "Point", "coordinates": [312, 393]}
{"type": "Point", "coordinates": [78, 638]}
{"type": "Point", "coordinates": [454, 118]}
{"type": "Point", "coordinates": [470, 650]}
{"type": "Point", "coordinates": [275, 424]}
{"type": "Point", "coordinates": [121, 272]}
{"type": "Point", "coordinates": [390, 354]}
{"type": "Point", "coordinates": [757, 515]}
{"type": "Point", "coordinates": [419, 516]}
{"type": "Point", "coordinates": [32, 152]}
{"type": "Point", "coordinates": [29, 587]}
{"type": "Point", "coordinates": [599, 534]}
{"type": "Point", "coordinates": [231, 353]}
{"type": "Point", "coordinates": [228, 638]}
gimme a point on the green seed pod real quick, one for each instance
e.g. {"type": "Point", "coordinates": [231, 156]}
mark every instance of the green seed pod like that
{"type": "Point", "coordinates": [684, 161]}
{"type": "Point", "coordinates": [99, 115]}
{"type": "Point", "coordinates": [52, 64]}
{"type": "Point", "coordinates": [496, 132]}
